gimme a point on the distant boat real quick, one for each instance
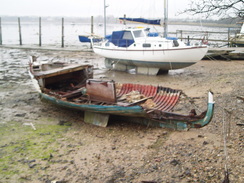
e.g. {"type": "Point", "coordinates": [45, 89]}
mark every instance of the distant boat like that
{"type": "Point", "coordinates": [143, 20]}
{"type": "Point", "coordinates": [238, 40]}
{"type": "Point", "coordinates": [87, 39]}
{"type": "Point", "coordinates": [72, 86]}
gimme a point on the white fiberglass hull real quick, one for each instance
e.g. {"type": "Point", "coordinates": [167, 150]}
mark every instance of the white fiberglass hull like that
{"type": "Point", "coordinates": [165, 59]}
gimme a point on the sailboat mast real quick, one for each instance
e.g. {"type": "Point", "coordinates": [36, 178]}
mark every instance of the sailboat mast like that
{"type": "Point", "coordinates": [105, 18]}
{"type": "Point", "coordinates": [165, 18]}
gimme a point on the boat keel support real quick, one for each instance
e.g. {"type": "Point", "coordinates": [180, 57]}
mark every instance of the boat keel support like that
{"type": "Point", "coordinates": [97, 119]}
{"type": "Point", "coordinates": [120, 67]}
{"type": "Point", "coordinates": [108, 63]}
{"type": "Point", "coordinates": [147, 70]}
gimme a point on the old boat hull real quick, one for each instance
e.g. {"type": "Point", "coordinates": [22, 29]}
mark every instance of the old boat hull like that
{"type": "Point", "coordinates": [71, 86]}
{"type": "Point", "coordinates": [136, 113]}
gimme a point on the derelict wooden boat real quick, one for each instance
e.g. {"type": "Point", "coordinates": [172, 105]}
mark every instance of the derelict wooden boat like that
{"type": "Point", "coordinates": [72, 86]}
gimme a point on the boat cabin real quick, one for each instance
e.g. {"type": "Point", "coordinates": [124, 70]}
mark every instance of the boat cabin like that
{"type": "Point", "coordinates": [61, 75]}
{"type": "Point", "coordinates": [140, 38]}
{"type": "Point", "coordinates": [127, 37]}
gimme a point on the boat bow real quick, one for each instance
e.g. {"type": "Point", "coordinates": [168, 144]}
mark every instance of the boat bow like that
{"type": "Point", "coordinates": [184, 122]}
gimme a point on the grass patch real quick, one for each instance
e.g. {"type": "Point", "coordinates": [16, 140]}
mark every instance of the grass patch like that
{"type": "Point", "coordinates": [21, 145]}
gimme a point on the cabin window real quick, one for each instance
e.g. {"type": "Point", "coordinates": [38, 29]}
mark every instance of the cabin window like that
{"type": "Point", "coordinates": [107, 44]}
{"type": "Point", "coordinates": [160, 45]}
{"type": "Point", "coordinates": [138, 33]}
{"type": "Point", "coordinates": [127, 35]}
{"type": "Point", "coordinates": [146, 45]}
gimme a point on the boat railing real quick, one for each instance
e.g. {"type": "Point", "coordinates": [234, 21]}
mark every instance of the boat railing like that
{"type": "Point", "coordinates": [212, 38]}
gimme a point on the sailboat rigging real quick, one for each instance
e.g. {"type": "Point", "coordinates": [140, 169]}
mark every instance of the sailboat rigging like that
{"type": "Point", "coordinates": [105, 17]}
{"type": "Point", "coordinates": [165, 18]}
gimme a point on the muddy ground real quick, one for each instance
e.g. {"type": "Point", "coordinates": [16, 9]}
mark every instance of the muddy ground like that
{"type": "Point", "coordinates": [64, 148]}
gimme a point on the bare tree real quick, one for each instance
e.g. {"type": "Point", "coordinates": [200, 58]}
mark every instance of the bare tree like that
{"type": "Point", "coordinates": [220, 8]}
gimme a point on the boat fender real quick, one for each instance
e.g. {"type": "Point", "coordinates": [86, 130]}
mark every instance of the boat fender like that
{"type": "Point", "coordinates": [175, 43]}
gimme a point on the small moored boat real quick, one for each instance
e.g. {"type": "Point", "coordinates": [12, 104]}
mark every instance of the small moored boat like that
{"type": "Point", "coordinates": [87, 39]}
{"type": "Point", "coordinates": [73, 86]}
{"type": "Point", "coordinates": [238, 40]}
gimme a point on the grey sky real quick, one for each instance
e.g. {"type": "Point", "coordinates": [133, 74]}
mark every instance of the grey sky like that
{"type": "Point", "coordinates": [87, 8]}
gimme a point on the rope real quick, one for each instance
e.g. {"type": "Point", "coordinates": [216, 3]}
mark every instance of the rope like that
{"type": "Point", "coordinates": [112, 63]}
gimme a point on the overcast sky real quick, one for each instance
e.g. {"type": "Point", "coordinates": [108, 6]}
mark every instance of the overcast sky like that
{"type": "Point", "coordinates": [87, 8]}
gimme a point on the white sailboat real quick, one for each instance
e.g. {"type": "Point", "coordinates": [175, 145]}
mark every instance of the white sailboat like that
{"type": "Point", "coordinates": [134, 48]}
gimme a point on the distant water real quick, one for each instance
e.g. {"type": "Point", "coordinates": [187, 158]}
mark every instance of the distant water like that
{"type": "Point", "coordinates": [51, 32]}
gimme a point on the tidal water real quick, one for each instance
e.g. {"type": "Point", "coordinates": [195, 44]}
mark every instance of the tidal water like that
{"type": "Point", "coordinates": [51, 31]}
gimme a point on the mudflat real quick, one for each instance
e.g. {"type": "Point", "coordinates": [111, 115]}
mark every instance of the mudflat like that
{"type": "Point", "coordinates": [61, 147]}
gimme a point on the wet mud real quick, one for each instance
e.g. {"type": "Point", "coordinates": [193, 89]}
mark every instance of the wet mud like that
{"type": "Point", "coordinates": [61, 147]}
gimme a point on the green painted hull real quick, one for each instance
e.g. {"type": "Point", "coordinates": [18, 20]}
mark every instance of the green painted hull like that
{"type": "Point", "coordinates": [136, 113]}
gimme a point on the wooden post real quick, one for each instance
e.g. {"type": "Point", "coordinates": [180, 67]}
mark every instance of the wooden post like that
{"type": "Point", "coordinates": [92, 25]}
{"type": "Point", "coordinates": [62, 33]}
{"type": "Point", "coordinates": [1, 41]}
{"type": "Point", "coordinates": [228, 37]}
{"type": "Point", "coordinates": [124, 19]}
{"type": "Point", "coordinates": [165, 18]}
{"type": "Point", "coordinates": [40, 31]}
{"type": "Point", "coordinates": [105, 24]}
{"type": "Point", "coordinates": [20, 36]}
{"type": "Point", "coordinates": [91, 30]}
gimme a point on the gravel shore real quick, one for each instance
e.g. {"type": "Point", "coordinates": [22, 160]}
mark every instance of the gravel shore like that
{"type": "Point", "coordinates": [61, 147]}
